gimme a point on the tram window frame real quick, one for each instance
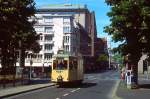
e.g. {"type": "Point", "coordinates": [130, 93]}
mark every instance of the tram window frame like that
{"type": "Point", "coordinates": [71, 65]}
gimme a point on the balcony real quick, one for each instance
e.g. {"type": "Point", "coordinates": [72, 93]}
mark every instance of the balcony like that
{"type": "Point", "coordinates": [48, 51]}
{"type": "Point", "coordinates": [35, 60]}
{"type": "Point", "coordinates": [44, 24]}
{"type": "Point", "coordinates": [49, 42]}
{"type": "Point", "coordinates": [49, 32]}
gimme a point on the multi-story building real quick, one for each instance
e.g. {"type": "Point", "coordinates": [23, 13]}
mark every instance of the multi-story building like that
{"type": "Point", "coordinates": [71, 27]}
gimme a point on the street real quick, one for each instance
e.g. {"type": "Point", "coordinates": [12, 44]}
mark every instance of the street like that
{"type": "Point", "coordinates": [95, 86]}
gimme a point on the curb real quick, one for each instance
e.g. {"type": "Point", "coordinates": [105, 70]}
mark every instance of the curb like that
{"type": "Point", "coordinates": [8, 95]}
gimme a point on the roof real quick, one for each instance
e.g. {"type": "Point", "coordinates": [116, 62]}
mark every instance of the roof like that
{"type": "Point", "coordinates": [62, 8]}
{"type": "Point", "coordinates": [63, 55]}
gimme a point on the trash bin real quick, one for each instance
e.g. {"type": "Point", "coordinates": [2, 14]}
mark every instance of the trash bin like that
{"type": "Point", "coordinates": [128, 79]}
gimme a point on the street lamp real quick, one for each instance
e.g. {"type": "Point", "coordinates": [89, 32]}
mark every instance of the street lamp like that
{"type": "Point", "coordinates": [31, 62]}
{"type": "Point", "coordinates": [109, 53]}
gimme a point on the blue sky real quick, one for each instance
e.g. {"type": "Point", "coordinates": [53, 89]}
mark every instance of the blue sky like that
{"type": "Point", "coordinates": [99, 6]}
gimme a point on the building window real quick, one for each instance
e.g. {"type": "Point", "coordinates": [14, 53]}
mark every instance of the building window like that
{"type": "Point", "coordinates": [47, 56]}
{"type": "Point", "coordinates": [38, 29]}
{"type": "Point", "coordinates": [48, 29]}
{"type": "Point", "coordinates": [66, 29]}
{"type": "Point", "coordinates": [39, 56]}
{"type": "Point", "coordinates": [41, 38]}
{"type": "Point", "coordinates": [48, 37]}
{"type": "Point", "coordinates": [66, 20]}
{"type": "Point", "coordinates": [48, 19]}
{"type": "Point", "coordinates": [41, 47]}
{"type": "Point", "coordinates": [39, 19]}
{"type": "Point", "coordinates": [48, 47]}
{"type": "Point", "coordinates": [66, 39]}
{"type": "Point", "coordinates": [66, 47]}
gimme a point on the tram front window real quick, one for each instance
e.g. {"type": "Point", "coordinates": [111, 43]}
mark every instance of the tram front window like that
{"type": "Point", "coordinates": [60, 64]}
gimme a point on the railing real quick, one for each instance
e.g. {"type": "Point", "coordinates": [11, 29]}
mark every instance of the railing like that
{"type": "Point", "coordinates": [44, 23]}
{"type": "Point", "coordinates": [49, 41]}
{"type": "Point", "coordinates": [34, 60]}
{"type": "Point", "coordinates": [48, 51]}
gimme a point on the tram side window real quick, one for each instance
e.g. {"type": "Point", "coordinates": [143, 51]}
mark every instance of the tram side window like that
{"type": "Point", "coordinates": [75, 64]}
{"type": "Point", "coordinates": [71, 65]}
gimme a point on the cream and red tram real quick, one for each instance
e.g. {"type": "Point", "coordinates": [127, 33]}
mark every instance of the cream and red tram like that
{"type": "Point", "coordinates": [66, 68]}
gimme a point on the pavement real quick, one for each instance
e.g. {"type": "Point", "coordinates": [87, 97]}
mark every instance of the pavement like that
{"type": "Point", "coordinates": [142, 92]}
{"type": "Point", "coordinates": [10, 91]}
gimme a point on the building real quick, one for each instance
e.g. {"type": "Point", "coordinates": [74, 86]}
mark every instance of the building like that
{"type": "Point", "coordinates": [101, 46]}
{"type": "Point", "coordinates": [101, 49]}
{"type": "Point", "coordinates": [71, 27]}
{"type": "Point", "coordinates": [144, 65]}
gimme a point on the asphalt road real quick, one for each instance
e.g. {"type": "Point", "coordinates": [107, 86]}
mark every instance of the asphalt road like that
{"type": "Point", "coordinates": [95, 86]}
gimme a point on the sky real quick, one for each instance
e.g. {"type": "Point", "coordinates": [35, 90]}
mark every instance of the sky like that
{"type": "Point", "coordinates": [98, 6]}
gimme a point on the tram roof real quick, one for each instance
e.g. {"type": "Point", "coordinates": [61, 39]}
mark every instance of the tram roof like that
{"type": "Point", "coordinates": [64, 55]}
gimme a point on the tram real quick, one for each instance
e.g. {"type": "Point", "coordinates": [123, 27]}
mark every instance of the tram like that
{"type": "Point", "coordinates": [66, 68]}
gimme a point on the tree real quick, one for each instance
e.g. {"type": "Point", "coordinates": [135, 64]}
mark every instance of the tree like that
{"type": "Point", "coordinates": [17, 32]}
{"type": "Point", "coordinates": [102, 57]}
{"type": "Point", "coordinates": [102, 60]}
{"type": "Point", "coordinates": [130, 24]}
{"type": "Point", "coordinates": [118, 58]}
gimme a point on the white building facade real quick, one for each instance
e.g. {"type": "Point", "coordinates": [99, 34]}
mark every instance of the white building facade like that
{"type": "Point", "coordinates": [71, 27]}
{"type": "Point", "coordinates": [57, 30]}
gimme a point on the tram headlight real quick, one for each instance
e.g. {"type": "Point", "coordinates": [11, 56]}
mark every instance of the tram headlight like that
{"type": "Point", "coordinates": [59, 78]}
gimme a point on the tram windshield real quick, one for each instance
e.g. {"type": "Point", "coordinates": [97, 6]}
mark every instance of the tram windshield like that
{"type": "Point", "coordinates": [60, 64]}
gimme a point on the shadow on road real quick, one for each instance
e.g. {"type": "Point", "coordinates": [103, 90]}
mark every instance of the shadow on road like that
{"type": "Point", "coordinates": [83, 85]}
{"type": "Point", "coordinates": [95, 72]}
{"type": "Point", "coordinates": [145, 86]}
{"type": "Point", "coordinates": [100, 71]}
{"type": "Point", "coordinates": [39, 81]}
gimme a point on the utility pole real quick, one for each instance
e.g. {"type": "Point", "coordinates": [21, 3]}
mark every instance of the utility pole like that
{"type": "Point", "coordinates": [109, 52]}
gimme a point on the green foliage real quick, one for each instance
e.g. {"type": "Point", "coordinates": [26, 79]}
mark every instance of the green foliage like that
{"type": "Point", "coordinates": [16, 32]}
{"type": "Point", "coordinates": [118, 58]}
{"type": "Point", "coordinates": [102, 58]}
{"type": "Point", "coordinates": [130, 23]}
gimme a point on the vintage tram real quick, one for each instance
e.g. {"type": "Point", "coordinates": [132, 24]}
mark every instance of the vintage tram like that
{"type": "Point", "coordinates": [66, 68]}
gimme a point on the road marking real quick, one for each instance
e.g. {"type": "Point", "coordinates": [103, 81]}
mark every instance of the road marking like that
{"type": "Point", "coordinates": [114, 96]}
{"type": "Point", "coordinates": [93, 78]}
{"type": "Point", "coordinates": [66, 94]}
{"type": "Point", "coordinates": [75, 90]}
{"type": "Point", "coordinates": [57, 98]}
{"type": "Point", "coordinates": [90, 77]}
{"type": "Point", "coordinates": [78, 88]}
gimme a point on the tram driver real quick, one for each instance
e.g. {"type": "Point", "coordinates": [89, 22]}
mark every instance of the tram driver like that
{"type": "Point", "coordinates": [60, 64]}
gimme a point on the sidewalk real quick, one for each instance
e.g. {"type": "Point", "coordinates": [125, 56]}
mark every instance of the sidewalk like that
{"type": "Point", "coordinates": [143, 92]}
{"type": "Point", "coordinates": [21, 89]}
